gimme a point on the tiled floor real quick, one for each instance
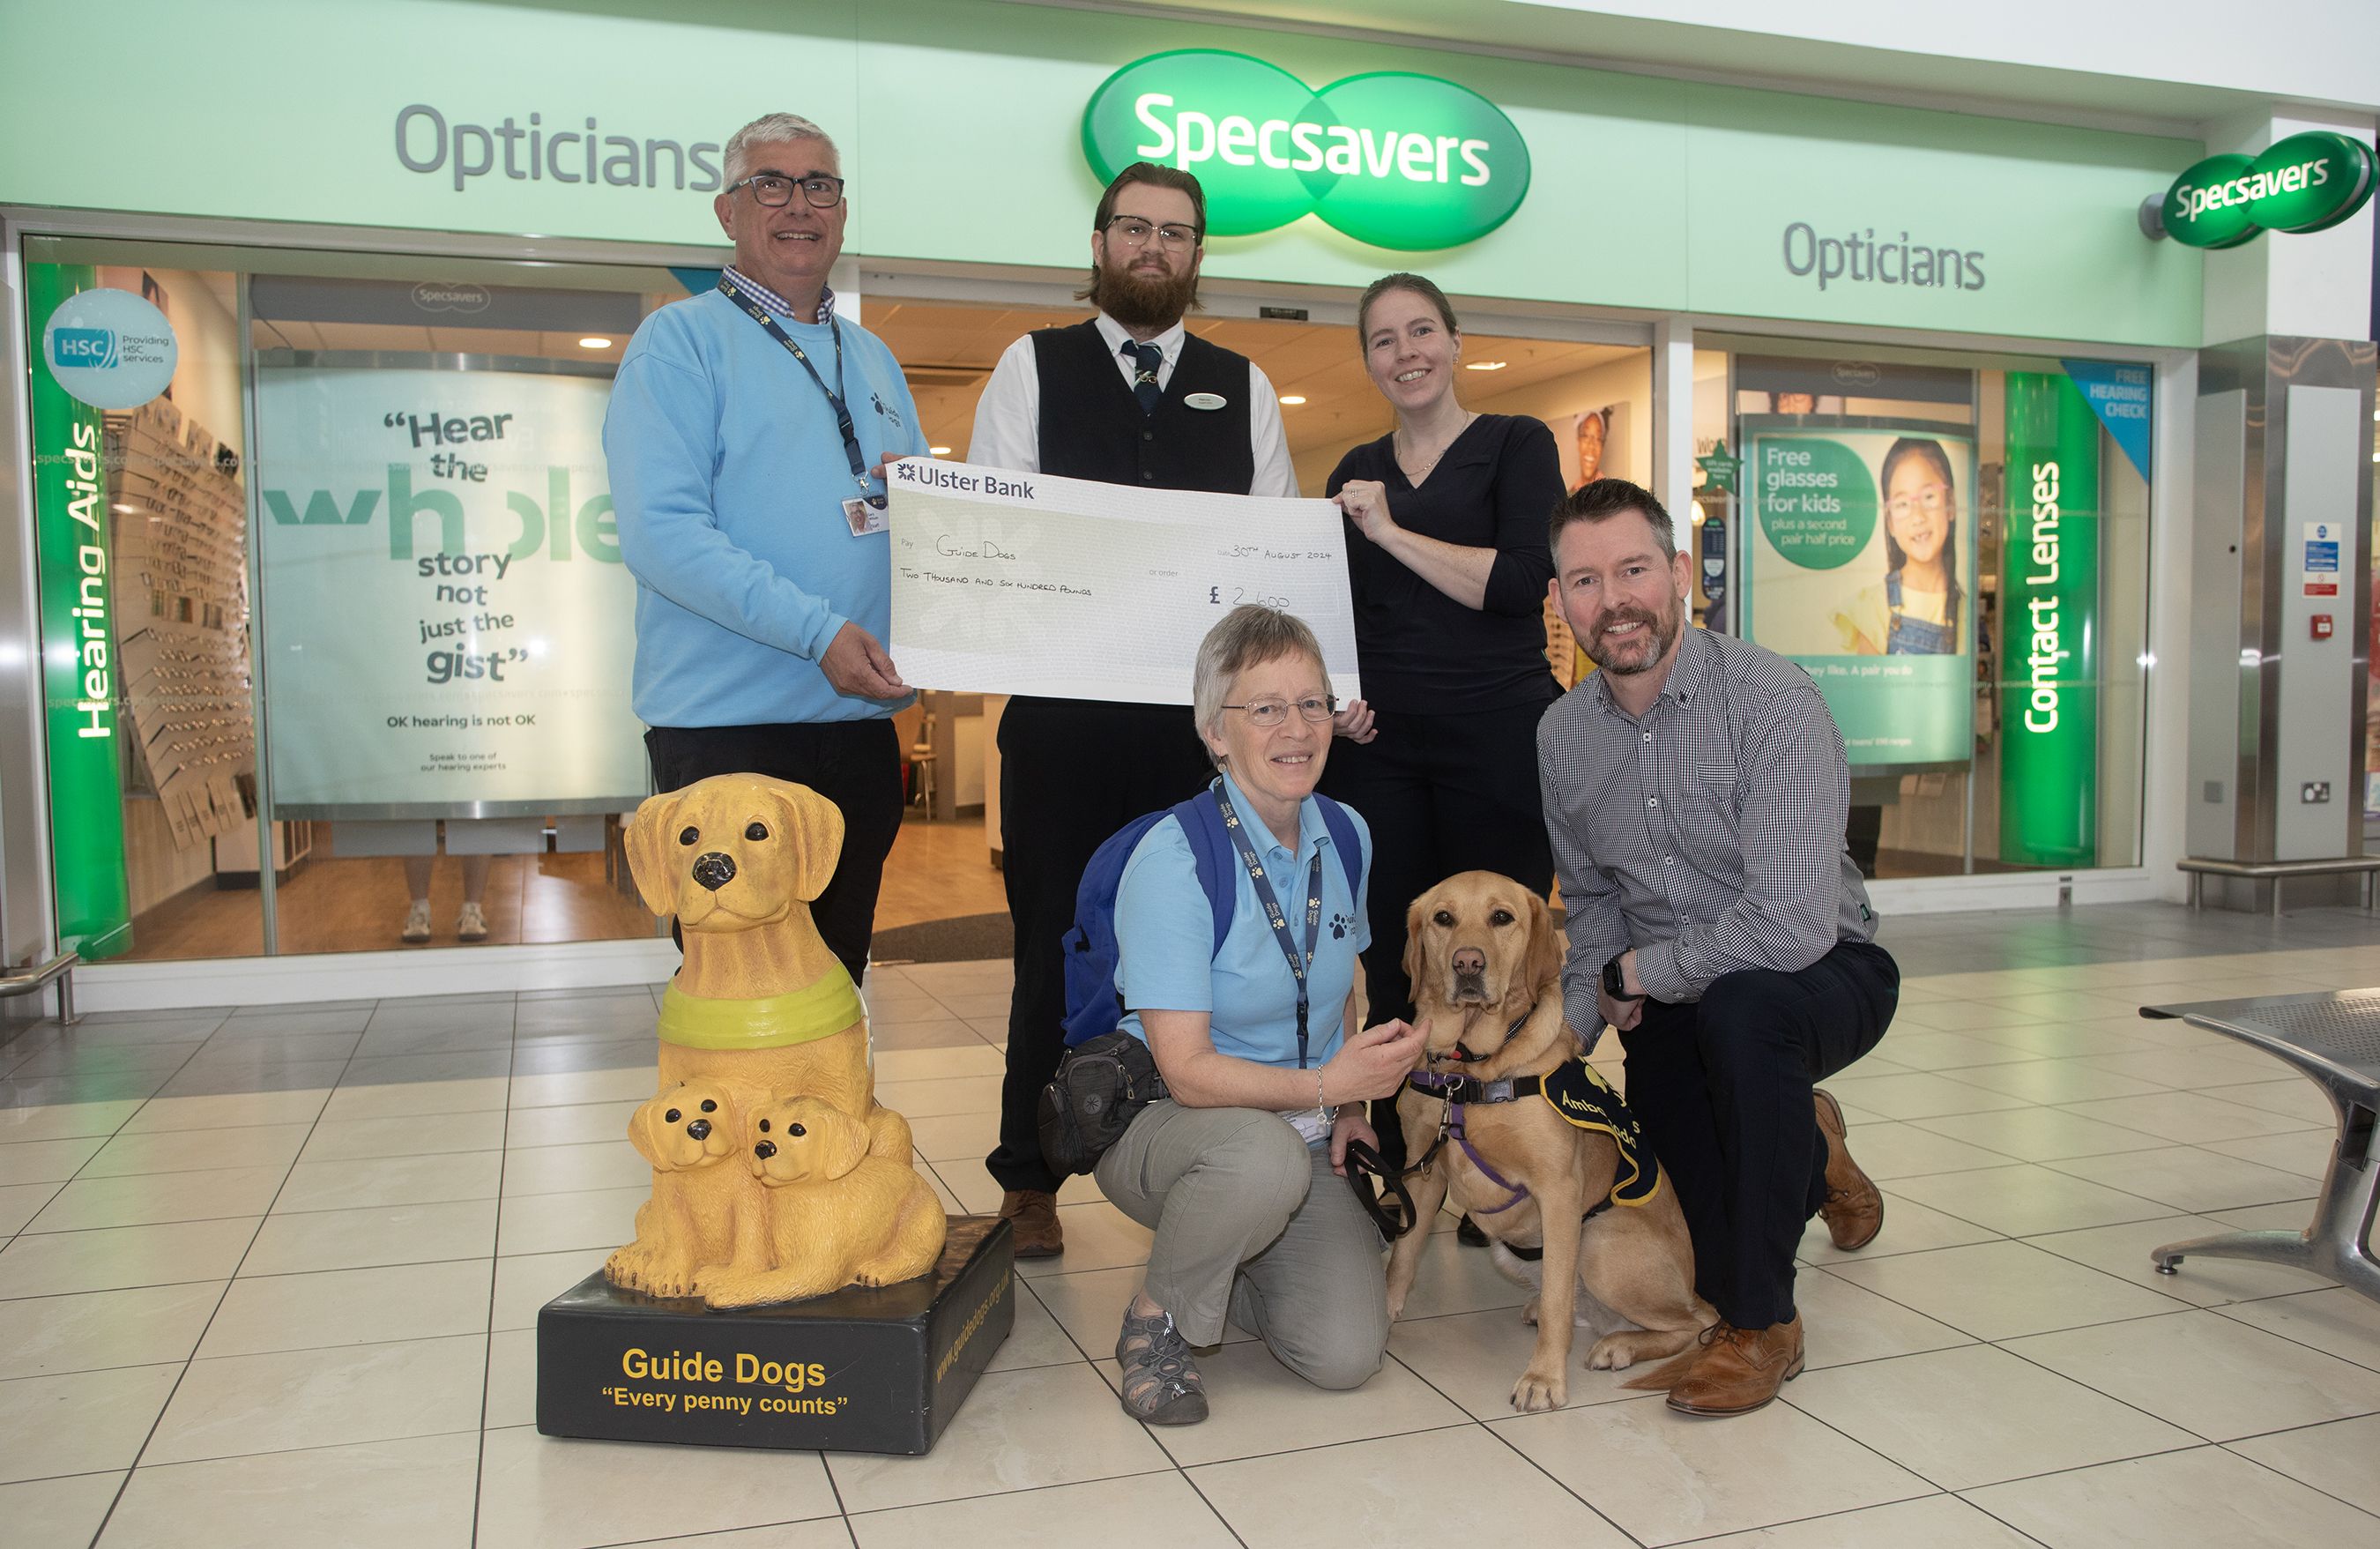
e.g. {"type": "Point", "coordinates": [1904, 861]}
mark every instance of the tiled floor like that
{"type": "Point", "coordinates": [270, 1277]}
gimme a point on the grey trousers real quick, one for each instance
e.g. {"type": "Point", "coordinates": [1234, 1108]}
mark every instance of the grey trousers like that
{"type": "Point", "coordinates": [1251, 1220]}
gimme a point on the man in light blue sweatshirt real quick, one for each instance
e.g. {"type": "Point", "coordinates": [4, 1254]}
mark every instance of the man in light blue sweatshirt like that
{"type": "Point", "coordinates": [746, 438]}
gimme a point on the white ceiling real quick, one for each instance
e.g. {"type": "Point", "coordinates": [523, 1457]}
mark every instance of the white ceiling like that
{"type": "Point", "coordinates": [2168, 65]}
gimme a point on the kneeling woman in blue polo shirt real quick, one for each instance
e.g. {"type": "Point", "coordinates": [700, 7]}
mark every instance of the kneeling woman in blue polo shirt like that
{"type": "Point", "coordinates": [1233, 1171]}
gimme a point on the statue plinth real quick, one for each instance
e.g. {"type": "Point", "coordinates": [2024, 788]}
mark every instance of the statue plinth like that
{"type": "Point", "coordinates": [862, 1369]}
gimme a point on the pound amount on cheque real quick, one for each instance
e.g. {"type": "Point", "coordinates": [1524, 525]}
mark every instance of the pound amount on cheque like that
{"type": "Point", "coordinates": [1233, 596]}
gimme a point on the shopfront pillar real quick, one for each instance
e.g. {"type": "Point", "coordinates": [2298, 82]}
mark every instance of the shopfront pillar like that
{"type": "Point", "coordinates": [2280, 540]}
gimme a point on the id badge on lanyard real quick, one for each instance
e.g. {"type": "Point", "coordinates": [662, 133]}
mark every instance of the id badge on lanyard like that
{"type": "Point", "coordinates": [865, 512]}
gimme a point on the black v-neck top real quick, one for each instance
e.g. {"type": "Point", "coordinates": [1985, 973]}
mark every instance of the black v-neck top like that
{"type": "Point", "coordinates": [1420, 650]}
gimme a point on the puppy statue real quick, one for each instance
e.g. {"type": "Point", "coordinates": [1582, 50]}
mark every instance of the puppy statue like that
{"type": "Point", "coordinates": [760, 1014]}
{"type": "Point", "coordinates": [838, 1216]}
{"type": "Point", "coordinates": [687, 1130]}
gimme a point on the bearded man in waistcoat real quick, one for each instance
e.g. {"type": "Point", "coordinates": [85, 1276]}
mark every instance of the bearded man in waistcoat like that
{"type": "Point", "coordinates": [1128, 397]}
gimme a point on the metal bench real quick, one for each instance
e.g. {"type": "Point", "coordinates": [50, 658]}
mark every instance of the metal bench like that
{"type": "Point", "coordinates": [31, 980]}
{"type": "Point", "coordinates": [2332, 1038]}
{"type": "Point", "coordinates": [2200, 868]}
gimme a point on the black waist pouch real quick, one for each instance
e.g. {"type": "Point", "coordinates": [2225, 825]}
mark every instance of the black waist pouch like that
{"type": "Point", "coordinates": [1100, 1088]}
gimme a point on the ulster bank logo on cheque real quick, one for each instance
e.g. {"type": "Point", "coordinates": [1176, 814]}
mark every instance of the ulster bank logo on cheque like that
{"type": "Point", "coordinates": [1401, 161]}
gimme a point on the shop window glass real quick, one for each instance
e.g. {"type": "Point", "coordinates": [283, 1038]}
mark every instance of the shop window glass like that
{"type": "Point", "coordinates": [390, 588]}
{"type": "Point", "coordinates": [1956, 548]}
{"type": "Point", "coordinates": [368, 517]}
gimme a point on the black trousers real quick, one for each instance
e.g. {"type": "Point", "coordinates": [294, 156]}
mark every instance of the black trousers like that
{"type": "Point", "coordinates": [854, 764]}
{"type": "Point", "coordinates": [1722, 1086]}
{"type": "Point", "coordinates": [1072, 771]}
{"type": "Point", "coordinates": [1442, 794]}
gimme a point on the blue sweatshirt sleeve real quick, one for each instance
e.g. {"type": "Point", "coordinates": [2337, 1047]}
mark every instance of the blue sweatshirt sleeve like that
{"type": "Point", "coordinates": [661, 436]}
{"type": "Point", "coordinates": [914, 444]}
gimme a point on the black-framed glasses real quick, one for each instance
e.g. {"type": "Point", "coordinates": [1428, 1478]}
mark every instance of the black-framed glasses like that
{"type": "Point", "coordinates": [776, 191]}
{"type": "Point", "coordinates": [1131, 231]}
{"type": "Point", "coordinates": [1274, 712]}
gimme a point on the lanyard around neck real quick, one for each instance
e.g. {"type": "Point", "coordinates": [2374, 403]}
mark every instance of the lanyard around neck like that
{"type": "Point", "coordinates": [1298, 967]}
{"type": "Point", "coordinates": [850, 432]}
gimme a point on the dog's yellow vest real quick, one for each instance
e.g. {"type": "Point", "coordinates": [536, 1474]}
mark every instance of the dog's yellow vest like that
{"type": "Point", "coordinates": [820, 1010]}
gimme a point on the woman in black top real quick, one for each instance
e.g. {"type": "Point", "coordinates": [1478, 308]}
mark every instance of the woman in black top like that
{"type": "Point", "coordinates": [1447, 560]}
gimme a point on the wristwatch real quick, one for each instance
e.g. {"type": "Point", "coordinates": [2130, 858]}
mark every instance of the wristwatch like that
{"type": "Point", "coordinates": [1614, 984]}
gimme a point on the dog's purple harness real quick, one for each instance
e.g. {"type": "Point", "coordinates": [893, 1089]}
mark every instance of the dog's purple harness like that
{"type": "Point", "coordinates": [1451, 1087]}
{"type": "Point", "coordinates": [1456, 1091]}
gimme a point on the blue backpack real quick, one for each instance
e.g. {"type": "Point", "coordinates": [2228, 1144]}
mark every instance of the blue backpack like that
{"type": "Point", "coordinates": [1093, 1004]}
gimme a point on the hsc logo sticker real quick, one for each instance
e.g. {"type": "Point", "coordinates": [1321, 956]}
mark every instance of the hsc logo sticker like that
{"type": "Point", "coordinates": [109, 348]}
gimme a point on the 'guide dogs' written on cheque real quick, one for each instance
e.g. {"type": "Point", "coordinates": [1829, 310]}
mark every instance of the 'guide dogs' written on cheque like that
{"type": "Point", "coordinates": [1007, 583]}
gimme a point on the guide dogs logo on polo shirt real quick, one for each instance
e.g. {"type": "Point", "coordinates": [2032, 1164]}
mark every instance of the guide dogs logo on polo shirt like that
{"type": "Point", "coordinates": [1583, 1097]}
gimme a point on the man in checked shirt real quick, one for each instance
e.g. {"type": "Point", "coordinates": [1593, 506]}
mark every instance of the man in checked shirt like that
{"type": "Point", "coordinates": [1695, 792]}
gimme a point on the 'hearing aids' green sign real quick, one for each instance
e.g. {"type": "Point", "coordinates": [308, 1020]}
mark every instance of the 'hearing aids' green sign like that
{"type": "Point", "coordinates": [1400, 161]}
{"type": "Point", "coordinates": [2304, 183]}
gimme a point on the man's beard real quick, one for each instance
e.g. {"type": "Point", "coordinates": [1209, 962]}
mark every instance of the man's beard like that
{"type": "Point", "coordinates": [1144, 300]}
{"type": "Point", "coordinates": [1663, 628]}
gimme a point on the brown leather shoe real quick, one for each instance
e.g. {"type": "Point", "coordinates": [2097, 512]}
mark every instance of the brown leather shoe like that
{"type": "Point", "coordinates": [1032, 1215]}
{"type": "Point", "coordinates": [1739, 1369]}
{"type": "Point", "coordinates": [1854, 1208]}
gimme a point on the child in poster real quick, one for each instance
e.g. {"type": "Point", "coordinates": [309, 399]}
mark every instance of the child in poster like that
{"type": "Point", "coordinates": [1856, 565]}
{"type": "Point", "coordinates": [1915, 611]}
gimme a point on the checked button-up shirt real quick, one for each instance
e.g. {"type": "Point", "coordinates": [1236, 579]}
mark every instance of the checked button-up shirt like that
{"type": "Point", "coordinates": [1706, 833]}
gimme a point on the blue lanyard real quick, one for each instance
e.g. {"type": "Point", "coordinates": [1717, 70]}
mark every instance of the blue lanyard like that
{"type": "Point", "coordinates": [1298, 967]}
{"type": "Point", "coordinates": [834, 397]}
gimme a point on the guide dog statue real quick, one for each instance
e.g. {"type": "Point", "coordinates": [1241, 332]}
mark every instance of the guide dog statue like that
{"type": "Point", "coordinates": [760, 1014]}
{"type": "Point", "coordinates": [1508, 1116]}
{"type": "Point", "coordinates": [838, 1214]}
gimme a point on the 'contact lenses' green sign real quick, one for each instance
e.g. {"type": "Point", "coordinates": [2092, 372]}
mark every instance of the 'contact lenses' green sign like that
{"type": "Point", "coordinates": [1400, 161]}
{"type": "Point", "coordinates": [2049, 601]}
{"type": "Point", "coordinates": [2304, 183]}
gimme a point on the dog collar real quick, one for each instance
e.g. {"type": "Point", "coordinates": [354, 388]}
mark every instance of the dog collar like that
{"type": "Point", "coordinates": [820, 1010]}
{"type": "Point", "coordinates": [1461, 1054]}
{"type": "Point", "coordinates": [1468, 1089]}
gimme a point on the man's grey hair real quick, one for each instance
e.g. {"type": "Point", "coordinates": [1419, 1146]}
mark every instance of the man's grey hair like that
{"type": "Point", "coordinates": [769, 128]}
{"type": "Point", "coordinates": [1249, 636]}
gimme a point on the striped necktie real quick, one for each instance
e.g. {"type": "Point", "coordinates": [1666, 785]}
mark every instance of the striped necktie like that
{"type": "Point", "coordinates": [1145, 359]}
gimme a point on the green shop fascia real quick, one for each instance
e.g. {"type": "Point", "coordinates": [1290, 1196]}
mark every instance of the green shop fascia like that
{"type": "Point", "coordinates": [982, 133]}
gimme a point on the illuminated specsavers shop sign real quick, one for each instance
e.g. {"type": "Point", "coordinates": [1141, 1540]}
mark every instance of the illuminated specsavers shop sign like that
{"type": "Point", "coordinates": [2304, 183]}
{"type": "Point", "coordinates": [1401, 161]}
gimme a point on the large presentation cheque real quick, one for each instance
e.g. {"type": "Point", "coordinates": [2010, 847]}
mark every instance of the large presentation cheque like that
{"type": "Point", "coordinates": [1021, 583]}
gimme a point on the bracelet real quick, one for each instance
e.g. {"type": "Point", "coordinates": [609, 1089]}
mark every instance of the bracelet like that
{"type": "Point", "coordinates": [1320, 1106]}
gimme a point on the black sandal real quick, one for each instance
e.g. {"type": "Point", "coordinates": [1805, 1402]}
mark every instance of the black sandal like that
{"type": "Point", "coordinates": [1162, 1385]}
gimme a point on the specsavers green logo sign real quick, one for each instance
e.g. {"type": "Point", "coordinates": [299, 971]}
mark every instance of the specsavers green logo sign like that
{"type": "Point", "coordinates": [2304, 183]}
{"type": "Point", "coordinates": [1400, 161]}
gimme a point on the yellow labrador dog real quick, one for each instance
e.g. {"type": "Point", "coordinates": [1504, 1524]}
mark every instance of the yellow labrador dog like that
{"type": "Point", "coordinates": [1485, 965]}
